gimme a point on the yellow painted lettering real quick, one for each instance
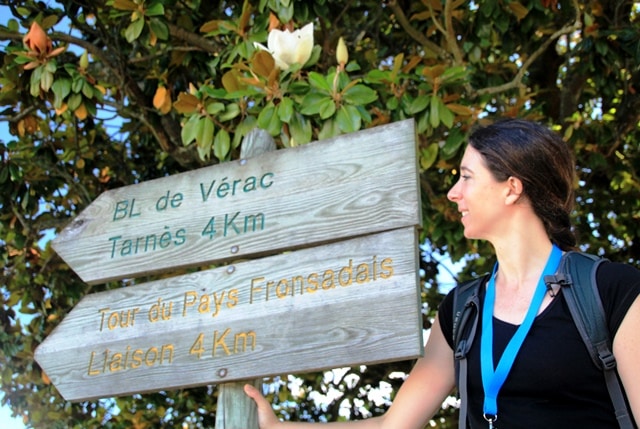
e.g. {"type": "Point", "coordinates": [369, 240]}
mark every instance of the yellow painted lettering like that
{"type": "Point", "coordinates": [386, 267]}
{"type": "Point", "coordinates": [244, 337]}
{"type": "Point", "coordinates": [282, 288]}
{"type": "Point", "coordinates": [190, 299]}
{"type": "Point", "coordinates": [232, 298]}
{"type": "Point", "coordinates": [345, 275]}
{"type": "Point", "coordinates": [136, 359]}
{"type": "Point", "coordinates": [151, 356]}
{"type": "Point", "coordinates": [115, 363]}
{"type": "Point", "coordinates": [254, 288]}
{"type": "Point", "coordinates": [197, 348]}
{"type": "Point", "coordinates": [218, 300]}
{"type": "Point", "coordinates": [362, 273]}
{"type": "Point", "coordinates": [221, 342]}
{"type": "Point", "coordinates": [327, 280]}
{"type": "Point", "coordinates": [92, 371]}
{"type": "Point", "coordinates": [205, 304]}
{"type": "Point", "coordinates": [312, 283]}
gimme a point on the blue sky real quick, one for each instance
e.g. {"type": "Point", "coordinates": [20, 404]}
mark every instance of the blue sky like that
{"type": "Point", "coordinates": [6, 421]}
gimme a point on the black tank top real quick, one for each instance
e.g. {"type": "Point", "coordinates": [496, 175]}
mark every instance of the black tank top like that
{"type": "Point", "coordinates": [553, 383]}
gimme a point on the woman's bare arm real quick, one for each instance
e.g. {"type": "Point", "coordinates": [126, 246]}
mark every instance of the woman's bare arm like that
{"type": "Point", "coordinates": [419, 397]}
{"type": "Point", "coordinates": [626, 349]}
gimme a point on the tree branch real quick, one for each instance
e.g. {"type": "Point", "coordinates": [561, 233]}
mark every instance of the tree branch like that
{"type": "Point", "coordinates": [517, 80]}
{"type": "Point", "coordinates": [413, 33]}
{"type": "Point", "coordinates": [448, 31]}
{"type": "Point", "coordinates": [193, 39]}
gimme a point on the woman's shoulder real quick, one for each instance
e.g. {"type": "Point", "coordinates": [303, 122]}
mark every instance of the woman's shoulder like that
{"type": "Point", "coordinates": [618, 279]}
{"type": "Point", "coordinates": [619, 286]}
{"type": "Point", "coordinates": [457, 297]}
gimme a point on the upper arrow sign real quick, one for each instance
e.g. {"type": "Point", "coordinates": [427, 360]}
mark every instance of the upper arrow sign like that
{"type": "Point", "coordinates": [333, 189]}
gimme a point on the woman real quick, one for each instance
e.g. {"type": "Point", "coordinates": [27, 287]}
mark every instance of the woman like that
{"type": "Point", "coordinates": [516, 191]}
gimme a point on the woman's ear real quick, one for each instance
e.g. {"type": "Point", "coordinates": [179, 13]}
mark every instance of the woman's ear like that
{"type": "Point", "coordinates": [515, 190]}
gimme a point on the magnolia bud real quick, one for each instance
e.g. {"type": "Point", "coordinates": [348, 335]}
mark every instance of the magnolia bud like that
{"type": "Point", "coordinates": [84, 60]}
{"type": "Point", "coordinates": [342, 55]}
{"type": "Point", "coordinates": [36, 39]}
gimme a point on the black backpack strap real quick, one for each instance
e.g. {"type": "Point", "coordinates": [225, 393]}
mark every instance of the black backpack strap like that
{"type": "Point", "coordinates": [466, 306]}
{"type": "Point", "coordinates": [577, 277]}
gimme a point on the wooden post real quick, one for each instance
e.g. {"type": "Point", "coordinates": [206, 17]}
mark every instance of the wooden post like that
{"type": "Point", "coordinates": [236, 410]}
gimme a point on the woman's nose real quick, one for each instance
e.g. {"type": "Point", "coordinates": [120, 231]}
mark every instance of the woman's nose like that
{"type": "Point", "coordinates": [453, 194]}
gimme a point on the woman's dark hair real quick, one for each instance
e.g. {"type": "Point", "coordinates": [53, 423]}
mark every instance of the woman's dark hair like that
{"type": "Point", "coordinates": [542, 161]}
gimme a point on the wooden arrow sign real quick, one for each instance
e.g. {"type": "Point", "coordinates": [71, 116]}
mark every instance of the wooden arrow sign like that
{"type": "Point", "coordinates": [327, 190]}
{"type": "Point", "coordinates": [346, 303]}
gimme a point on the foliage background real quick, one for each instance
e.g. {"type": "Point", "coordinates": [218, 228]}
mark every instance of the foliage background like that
{"type": "Point", "coordinates": [149, 88]}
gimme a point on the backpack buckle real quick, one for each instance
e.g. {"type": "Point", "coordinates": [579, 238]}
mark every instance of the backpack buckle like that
{"type": "Point", "coordinates": [608, 360]}
{"type": "Point", "coordinates": [562, 279]}
{"type": "Point", "coordinates": [460, 350]}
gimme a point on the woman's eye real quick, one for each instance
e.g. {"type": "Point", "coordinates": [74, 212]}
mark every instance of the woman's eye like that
{"type": "Point", "coordinates": [465, 177]}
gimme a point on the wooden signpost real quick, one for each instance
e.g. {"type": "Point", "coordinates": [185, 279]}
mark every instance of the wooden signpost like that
{"type": "Point", "coordinates": [344, 292]}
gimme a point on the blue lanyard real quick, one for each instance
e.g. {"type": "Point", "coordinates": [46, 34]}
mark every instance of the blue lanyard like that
{"type": "Point", "coordinates": [492, 380]}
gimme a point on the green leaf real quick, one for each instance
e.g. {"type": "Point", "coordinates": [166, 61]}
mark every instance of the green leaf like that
{"type": "Point", "coordinates": [190, 130]}
{"type": "Point", "coordinates": [231, 111]}
{"type": "Point", "coordinates": [87, 90]}
{"type": "Point", "coordinates": [454, 141]}
{"type": "Point", "coordinates": [74, 101]}
{"type": "Point", "coordinates": [159, 28]}
{"type": "Point", "coordinates": [77, 84]}
{"type": "Point", "coordinates": [378, 76]}
{"type": "Point", "coordinates": [327, 108]}
{"type": "Point", "coordinates": [46, 80]}
{"type": "Point", "coordinates": [16, 172]}
{"type": "Point", "coordinates": [22, 59]}
{"type": "Point", "coordinates": [154, 9]}
{"type": "Point", "coordinates": [418, 104]}
{"type": "Point", "coordinates": [452, 74]}
{"type": "Point", "coordinates": [300, 129]}
{"type": "Point", "coordinates": [311, 103]}
{"type": "Point", "coordinates": [61, 88]}
{"type": "Point", "coordinates": [214, 108]}
{"type": "Point", "coordinates": [221, 145]}
{"type": "Point", "coordinates": [204, 137]}
{"type": "Point", "coordinates": [446, 116]}
{"type": "Point", "coordinates": [428, 156]}
{"type": "Point", "coordinates": [4, 173]}
{"type": "Point", "coordinates": [134, 30]}
{"type": "Point", "coordinates": [243, 128]}
{"type": "Point", "coordinates": [348, 119]}
{"type": "Point", "coordinates": [34, 81]}
{"type": "Point", "coordinates": [50, 66]}
{"type": "Point", "coordinates": [318, 81]}
{"type": "Point", "coordinates": [285, 109]}
{"type": "Point", "coordinates": [360, 95]}
{"type": "Point", "coordinates": [434, 117]}
{"type": "Point", "coordinates": [329, 129]}
{"type": "Point", "coordinates": [268, 120]}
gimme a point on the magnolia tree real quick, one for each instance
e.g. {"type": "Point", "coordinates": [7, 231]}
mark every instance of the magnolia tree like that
{"type": "Point", "coordinates": [108, 93]}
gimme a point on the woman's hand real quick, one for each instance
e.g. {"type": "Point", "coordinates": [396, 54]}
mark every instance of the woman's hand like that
{"type": "Point", "coordinates": [266, 417]}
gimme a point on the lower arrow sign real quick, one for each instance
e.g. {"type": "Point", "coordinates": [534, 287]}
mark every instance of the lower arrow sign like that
{"type": "Point", "coordinates": [351, 302]}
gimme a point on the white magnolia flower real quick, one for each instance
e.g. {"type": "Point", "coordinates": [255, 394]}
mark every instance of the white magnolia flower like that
{"type": "Point", "coordinates": [289, 48]}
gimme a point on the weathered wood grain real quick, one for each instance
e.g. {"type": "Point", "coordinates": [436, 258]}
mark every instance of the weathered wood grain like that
{"type": "Point", "coordinates": [328, 190]}
{"type": "Point", "coordinates": [230, 323]}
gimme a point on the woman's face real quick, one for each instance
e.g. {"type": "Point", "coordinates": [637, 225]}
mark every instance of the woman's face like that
{"type": "Point", "coordinates": [480, 198]}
